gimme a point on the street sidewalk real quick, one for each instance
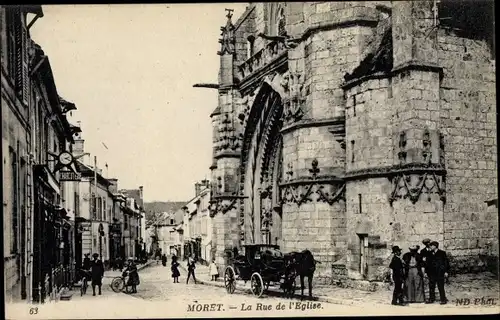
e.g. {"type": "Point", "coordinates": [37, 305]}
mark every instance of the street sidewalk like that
{"type": "Point", "coordinates": [466, 286]}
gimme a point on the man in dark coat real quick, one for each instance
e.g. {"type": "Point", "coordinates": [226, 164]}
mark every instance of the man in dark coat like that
{"type": "Point", "coordinates": [397, 268]}
{"type": "Point", "coordinates": [437, 270]}
{"type": "Point", "coordinates": [97, 271]}
{"type": "Point", "coordinates": [191, 266]}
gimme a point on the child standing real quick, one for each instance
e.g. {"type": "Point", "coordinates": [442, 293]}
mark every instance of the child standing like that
{"type": "Point", "coordinates": [214, 273]}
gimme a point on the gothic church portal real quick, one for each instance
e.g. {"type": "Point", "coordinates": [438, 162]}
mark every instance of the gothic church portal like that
{"type": "Point", "coordinates": [340, 128]}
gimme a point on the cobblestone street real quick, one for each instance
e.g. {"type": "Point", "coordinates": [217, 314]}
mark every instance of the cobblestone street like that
{"type": "Point", "coordinates": [158, 296]}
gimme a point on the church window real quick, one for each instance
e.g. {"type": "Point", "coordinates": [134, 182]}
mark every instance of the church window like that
{"type": "Point", "coordinates": [352, 151]}
{"type": "Point", "coordinates": [360, 203]}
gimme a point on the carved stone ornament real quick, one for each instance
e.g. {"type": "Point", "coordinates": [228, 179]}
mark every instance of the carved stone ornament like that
{"type": "Point", "coordinates": [294, 98]}
{"type": "Point", "coordinates": [427, 144]}
{"type": "Point", "coordinates": [221, 205]}
{"type": "Point", "coordinates": [228, 40]}
{"type": "Point", "coordinates": [412, 186]}
{"type": "Point", "coordinates": [266, 220]}
{"type": "Point", "coordinates": [402, 148]}
{"type": "Point", "coordinates": [441, 150]}
{"type": "Point", "coordinates": [227, 139]}
{"type": "Point", "coordinates": [242, 221]}
{"type": "Point", "coordinates": [313, 190]}
{"type": "Point", "coordinates": [289, 172]}
{"type": "Point", "coordinates": [281, 22]}
{"type": "Point", "coordinates": [309, 191]}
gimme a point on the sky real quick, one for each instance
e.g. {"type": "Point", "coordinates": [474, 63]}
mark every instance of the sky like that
{"type": "Point", "coordinates": [130, 70]}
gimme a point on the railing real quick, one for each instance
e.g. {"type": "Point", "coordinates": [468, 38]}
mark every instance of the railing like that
{"type": "Point", "coordinates": [270, 52]}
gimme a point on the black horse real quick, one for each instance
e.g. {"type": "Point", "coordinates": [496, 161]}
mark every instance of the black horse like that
{"type": "Point", "coordinates": [301, 264]}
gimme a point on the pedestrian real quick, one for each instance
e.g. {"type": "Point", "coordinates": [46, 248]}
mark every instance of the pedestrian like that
{"type": "Point", "coordinates": [414, 275]}
{"type": "Point", "coordinates": [191, 266]}
{"type": "Point", "coordinates": [86, 262]}
{"type": "Point", "coordinates": [424, 253]}
{"type": "Point", "coordinates": [397, 269]}
{"type": "Point", "coordinates": [213, 271]}
{"type": "Point", "coordinates": [133, 275]}
{"type": "Point", "coordinates": [164, 260]}
{"type": "Point", "coordinates": [437, 270]}
{"type": "Point", "coordinates": [97, 272]}
{"type": "Point", "coordinates": [175, 269]}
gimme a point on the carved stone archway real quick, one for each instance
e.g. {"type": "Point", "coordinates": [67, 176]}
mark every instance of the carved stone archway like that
{"type": "Point", "coordinates": [260, 166]}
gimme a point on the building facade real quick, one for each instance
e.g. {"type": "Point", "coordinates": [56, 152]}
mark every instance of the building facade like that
{"type": "Point", "coordinates": [205, 226]}
{"type": "Point", "coordinates": [38, 195]}
{"type": "Point", "coordinates": [348, 127]}
{"type": "Point", "coordinates": [138, 219]}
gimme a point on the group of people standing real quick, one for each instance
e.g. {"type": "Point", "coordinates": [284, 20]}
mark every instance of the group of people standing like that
{"type": "Point", "coordinates": [174, 267]}
{"type": "Point", "coordinates": [94, 271]}
{"type": "Point", "coordinates": [191, 267]}
{"type": "Point", "coordinates": [414, 268]}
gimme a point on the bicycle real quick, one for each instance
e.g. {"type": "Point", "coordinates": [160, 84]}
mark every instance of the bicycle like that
{"type": "Point", "coordinates": [85, 284]}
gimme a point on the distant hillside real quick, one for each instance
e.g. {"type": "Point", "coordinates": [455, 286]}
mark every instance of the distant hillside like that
{"type": "Point", "coordinates": [160, 206]}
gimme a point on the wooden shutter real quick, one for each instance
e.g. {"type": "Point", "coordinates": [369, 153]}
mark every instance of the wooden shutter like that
{"type": "Point", "coordinates": [3, 32]}
{"type": "Point", "coordinates": [24, 58]}
{"type": "Point", "coordinates": [18, 62]}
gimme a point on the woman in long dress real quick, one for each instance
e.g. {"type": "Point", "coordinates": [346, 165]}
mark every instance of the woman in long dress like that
{"type": "Point", "coordinates": [175, 269]}
{"type": "Point", "coordinates": [133, 275]}
{"type": "Point", "coordinates": [414, 280]}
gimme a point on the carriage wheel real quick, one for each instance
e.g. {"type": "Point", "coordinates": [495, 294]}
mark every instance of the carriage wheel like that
{"type": "Point", "coordinates": [230, 279]}
{"type": "Point", "coordinates": [117, 284]}
{"type": "Point", "coordinates": [257, 284]}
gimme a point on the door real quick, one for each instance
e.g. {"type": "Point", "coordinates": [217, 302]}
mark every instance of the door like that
{"type": "Point", "coordinates": [363, 244]}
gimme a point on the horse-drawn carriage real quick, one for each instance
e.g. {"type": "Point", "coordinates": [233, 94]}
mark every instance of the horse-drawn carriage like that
{"type": "Point", "coordinates": [263, 265]}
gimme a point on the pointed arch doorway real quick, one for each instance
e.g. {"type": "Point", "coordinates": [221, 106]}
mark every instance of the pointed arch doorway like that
{"type": "Point", "coordinates": [261, 169]}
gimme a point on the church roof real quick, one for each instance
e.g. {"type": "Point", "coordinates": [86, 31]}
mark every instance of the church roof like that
{"type": "Point", "coordinates": [378, 55]}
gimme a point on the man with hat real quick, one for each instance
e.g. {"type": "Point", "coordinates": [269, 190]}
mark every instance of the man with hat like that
{"type": "Point", "coordinates": [397, 268]}
{"type": "Point", "coordinates": [425, 253]}
{"type": "Point", "coordinates": [437, 269]}
{"type": "Point", "coordinates": [97, 271]}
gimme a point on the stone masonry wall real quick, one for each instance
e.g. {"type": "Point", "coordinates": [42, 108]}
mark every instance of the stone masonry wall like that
{"type": "Point", "coordinates": [322, 61]}
{"type": "Point", "coordinates": [13, 136]}
{"type": "Point", "coordinates": [369, 144]}
{"type": "Point", "coordinates": [468, 119]}
{"type": "Point", "coordinates": [369, 132]}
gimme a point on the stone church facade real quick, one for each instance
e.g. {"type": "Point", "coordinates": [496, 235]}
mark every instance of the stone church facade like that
{"type": "Point", "coordinates": [348, 127]}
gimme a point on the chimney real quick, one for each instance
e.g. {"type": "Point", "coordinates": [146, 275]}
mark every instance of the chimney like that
{"type": "Point", "coordinates": [141, 196]}
{"type": "Point", "coordinates": [78, 147]}
{"type": "Point", "coordinates": [113, 188]}
{"type": "Point", "coordinates": [197, 189]}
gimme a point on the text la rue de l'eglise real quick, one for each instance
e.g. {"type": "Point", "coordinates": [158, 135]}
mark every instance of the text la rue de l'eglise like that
{"type": "Point", "coordinates": [295, 305]}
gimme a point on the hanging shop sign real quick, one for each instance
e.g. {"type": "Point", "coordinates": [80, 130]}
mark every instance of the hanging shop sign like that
{"type": "Point", "coordinates": [69, 176]}
{"type": "Point", "coordinates": [84, 226]}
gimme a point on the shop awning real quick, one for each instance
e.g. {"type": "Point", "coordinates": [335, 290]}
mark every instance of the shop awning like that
{"type": "Point", "coordinates": [43, 172]}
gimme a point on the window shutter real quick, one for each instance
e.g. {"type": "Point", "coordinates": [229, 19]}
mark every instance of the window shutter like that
{"type": "Point", "coordinates": [3, 31]}
{"type": "Point", "coordinates": [18, 36]}
{"type": "Point", "coordinates": [24, 65]}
